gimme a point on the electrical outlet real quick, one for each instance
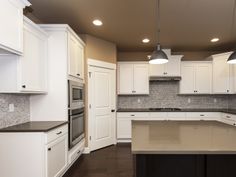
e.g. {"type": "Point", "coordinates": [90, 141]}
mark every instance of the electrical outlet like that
{"type": "Point", "coordinates": [189, 100]}
{"type": "Point", "coordinates": [215, 100]}
{"type": "Point", "coordinates": [139, 101]}
{"type": "Point", "coordinates": [11, 107]}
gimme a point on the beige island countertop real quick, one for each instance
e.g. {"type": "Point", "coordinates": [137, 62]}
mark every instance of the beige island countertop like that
{"type": "Point", "coordinates": [183, 137]}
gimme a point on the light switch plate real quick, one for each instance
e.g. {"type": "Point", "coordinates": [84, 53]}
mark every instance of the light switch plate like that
{"type": "Point", "coordinates": [11, 107]}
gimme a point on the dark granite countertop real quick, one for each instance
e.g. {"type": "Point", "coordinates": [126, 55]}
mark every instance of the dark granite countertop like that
{"type": "Point", "coordinates": [35, 126]}
{"type": "Point", "coordinates": [231, 111]}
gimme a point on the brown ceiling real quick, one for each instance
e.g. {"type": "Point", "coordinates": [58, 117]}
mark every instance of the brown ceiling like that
{"type": "Point", "coordinates": [185, 24]}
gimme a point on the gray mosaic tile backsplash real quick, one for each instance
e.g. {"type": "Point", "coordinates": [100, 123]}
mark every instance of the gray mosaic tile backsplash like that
{"type": "Point", "coordinates": [165, 94]}
{"type": "Point", "coordinates": [232, 102]}
{"type": "Point", "coordinates": [21, 113]}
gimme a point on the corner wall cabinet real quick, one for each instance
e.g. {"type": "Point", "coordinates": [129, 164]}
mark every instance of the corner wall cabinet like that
{"type": "Point", "coordinates": [196, 78]}
{"type": "Point", "coordinates": [26, 73]}
{"type": "Point", "coordinates": [172, 68]}
{"type": "Point", "coordinates": [34, 154]}
{"type": "Point", "coordinates": [11, 20]}
{"type": "Point", "coordinates": [222, 74]}
{"type": "Point", "coordinates": [133, 78]}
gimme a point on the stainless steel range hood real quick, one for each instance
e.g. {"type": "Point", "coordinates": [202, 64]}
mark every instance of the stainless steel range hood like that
{"type": "Point", "coordinates": [164, 78]}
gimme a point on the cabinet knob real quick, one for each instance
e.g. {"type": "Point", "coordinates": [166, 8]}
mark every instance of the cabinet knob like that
{"type": "Point", "coordinates": [78, 74]}
{"type": "Point", "coordinates": [113, 110]}
{"type": "Point", "coordinates": [133, 91]}
{"type": "Point", "coordinates": [227, 90]}
{"type": "Point", "coordinates": [49, 149]}
{"type": "Point", "coordinates": [132, 115]}
{"type": "Point", "coordinates": [23, 86]}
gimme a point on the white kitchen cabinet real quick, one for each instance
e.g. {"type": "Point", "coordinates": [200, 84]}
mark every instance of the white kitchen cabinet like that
{"type": "Point", "coordinates": [56, 156]}
{"type": "Point", "coordinates": [11, 20]}
{"type": "Point", "coordinates": [26, 73]}
{"type": "Point", "coordinates": [34, 154]}
{"type": "Point", "coordinates": [196, 78]}
{"type": "Point", "coordinates": [222, 74]}
{"type": "Point", "coordinates": [124, 123]}
{"type": "Point", "coordinates": [133, 78]}
{"type": "Point", "coordinates": [76, 57]}
{"type": "Point", "coordinates": [172, 68]}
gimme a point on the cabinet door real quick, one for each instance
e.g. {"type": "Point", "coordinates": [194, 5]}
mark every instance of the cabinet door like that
{"type": "Point", "coordinates": [157, 70]}
{"type": "Point", "coordinates": [141, 79]}
{"type": "Point", "coordinates": [125, 78]}
{"type": "Point", "coordinates": [124, 128]}
{"type": "Point", "coordinates": [32, 65]}
{"type": "Point", "coordinates": [203, 80]}
{"type": "Point", "coordinates": [56, 157]}
{"type": "Point", "coordinates": [74, 54]}
{"type": "Point", "coordinates": [187, 83]}
{"type": "Point", "coordinates": [80, 60]}
{"type": "Point", "coordinates": [11, 19]}
{"type": "Point", "coordinates": [172, 68]}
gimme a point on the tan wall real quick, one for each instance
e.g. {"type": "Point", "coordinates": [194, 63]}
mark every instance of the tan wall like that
{"type": "Point", "coordinates": [142, 56]}
{"type": "Point", "coordinates": [97, 49]}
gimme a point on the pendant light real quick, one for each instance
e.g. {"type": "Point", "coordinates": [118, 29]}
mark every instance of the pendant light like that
{"type": "Point", "coordinates": [158, 56]}
{"type": "Point", "coordinates": [232, 57]}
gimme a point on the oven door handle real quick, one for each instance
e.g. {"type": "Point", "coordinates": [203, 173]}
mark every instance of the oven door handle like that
{"type": "Point", "coordinates": [77, 115]}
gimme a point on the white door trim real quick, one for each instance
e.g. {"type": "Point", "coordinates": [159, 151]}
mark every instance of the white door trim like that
{"type": "Point", "coordinates": [98, 64]}
{"type": "Point", "coordinates": [101, 64]}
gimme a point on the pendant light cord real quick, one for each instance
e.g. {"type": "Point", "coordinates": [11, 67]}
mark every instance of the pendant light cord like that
{"type": "Point", "coordinates": [158, 22]}
{"type": "Point", "coordinates": [233, 18]}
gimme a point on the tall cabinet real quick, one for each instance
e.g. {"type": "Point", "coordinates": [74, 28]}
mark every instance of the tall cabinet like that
{"type": "Point", "coordinates": [65, 61]}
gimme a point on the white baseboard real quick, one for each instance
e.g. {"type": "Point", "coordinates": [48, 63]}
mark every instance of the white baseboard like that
{"type": "Point", "coordinates": [86, 150]}
{"type": "Point", "coordinates": [123, 140]}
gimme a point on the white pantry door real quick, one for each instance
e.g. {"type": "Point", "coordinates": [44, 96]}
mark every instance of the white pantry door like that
{"type": "Point", "coordinates": [102, 83]}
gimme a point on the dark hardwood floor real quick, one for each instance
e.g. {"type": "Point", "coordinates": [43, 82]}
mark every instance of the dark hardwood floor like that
{"type": "Point", "coordinates": [113, 161]}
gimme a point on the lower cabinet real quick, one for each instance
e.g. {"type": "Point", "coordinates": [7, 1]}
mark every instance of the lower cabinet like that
{"type": "Point", "coordinates": [56, 156]}
{"type": "Point", "coordinates": [34, 154]}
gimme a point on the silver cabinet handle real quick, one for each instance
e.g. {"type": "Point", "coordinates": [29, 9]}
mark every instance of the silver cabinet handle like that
{"type": "Point", "coordinates": [228, 117]}
{"type": "Point", "coordinates": [202, 115]}
{"type": "Point", "coordinates": [132, 115]}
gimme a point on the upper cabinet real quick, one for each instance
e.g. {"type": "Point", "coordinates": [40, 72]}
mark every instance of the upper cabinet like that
{"type": "Point", "coordinates": [222, 74]}
{"type": "Point", "coordinates": [11, 20]}
{"type": "Point", "coordinates": [64, 38]}
{"type": "Point", "coordinates": [196, 78]}
{"type": "Point", "coordinates": [26, 73]}
{"type": "Point", "coordinates": [133, 78]}
{"type": "Point", "coordinates": [76, 57]}
{"type": "Point", "coordinates": [172, 68]}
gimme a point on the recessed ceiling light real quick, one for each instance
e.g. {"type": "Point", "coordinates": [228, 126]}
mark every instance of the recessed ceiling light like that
{"type": "Point", "coordinates": [97, 22]}
{"type": "Point", "coordinates": [215, 40]}
{"type": "Point", "coordinates": [146, 40]}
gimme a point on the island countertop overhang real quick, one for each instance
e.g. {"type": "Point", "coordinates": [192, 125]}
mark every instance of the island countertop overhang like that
{"type": "Point", "coordinates": [183, 137]}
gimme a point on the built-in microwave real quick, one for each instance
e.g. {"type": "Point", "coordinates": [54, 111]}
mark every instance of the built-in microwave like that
{"type": "Point", "coordinates": [75, 95]}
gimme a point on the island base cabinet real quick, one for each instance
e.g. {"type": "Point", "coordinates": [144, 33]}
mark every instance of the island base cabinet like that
{"type": "Point", "coordinates": [164, 165]}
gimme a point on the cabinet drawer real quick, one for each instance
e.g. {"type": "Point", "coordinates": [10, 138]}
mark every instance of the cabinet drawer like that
{"type": "Point", "coordinates": [56, 133]}
{"type": "Point", "coordinates": [229, 117]}
{"type": "Point", "coordinates": [162, 115]}
{"type": "Point", "coordinates": [203, 115]}
{"type": "Point", "coordinates": [133, 114]}
{"type": "Point", "coordinates": [176, 116]}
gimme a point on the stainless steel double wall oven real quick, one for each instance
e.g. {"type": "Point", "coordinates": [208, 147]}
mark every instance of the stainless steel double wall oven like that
{"type": "Point", "coordinates": [76, 112]}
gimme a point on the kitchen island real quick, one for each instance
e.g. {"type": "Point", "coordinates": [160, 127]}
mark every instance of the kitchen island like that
{"type": "Point", "coordinates": [184, 149]}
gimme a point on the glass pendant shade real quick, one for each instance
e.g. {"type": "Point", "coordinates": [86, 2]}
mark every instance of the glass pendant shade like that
{"type": "Point", "coordinates": [158, 56]}
{"type": "Point", "coordinates": [232, 58]}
